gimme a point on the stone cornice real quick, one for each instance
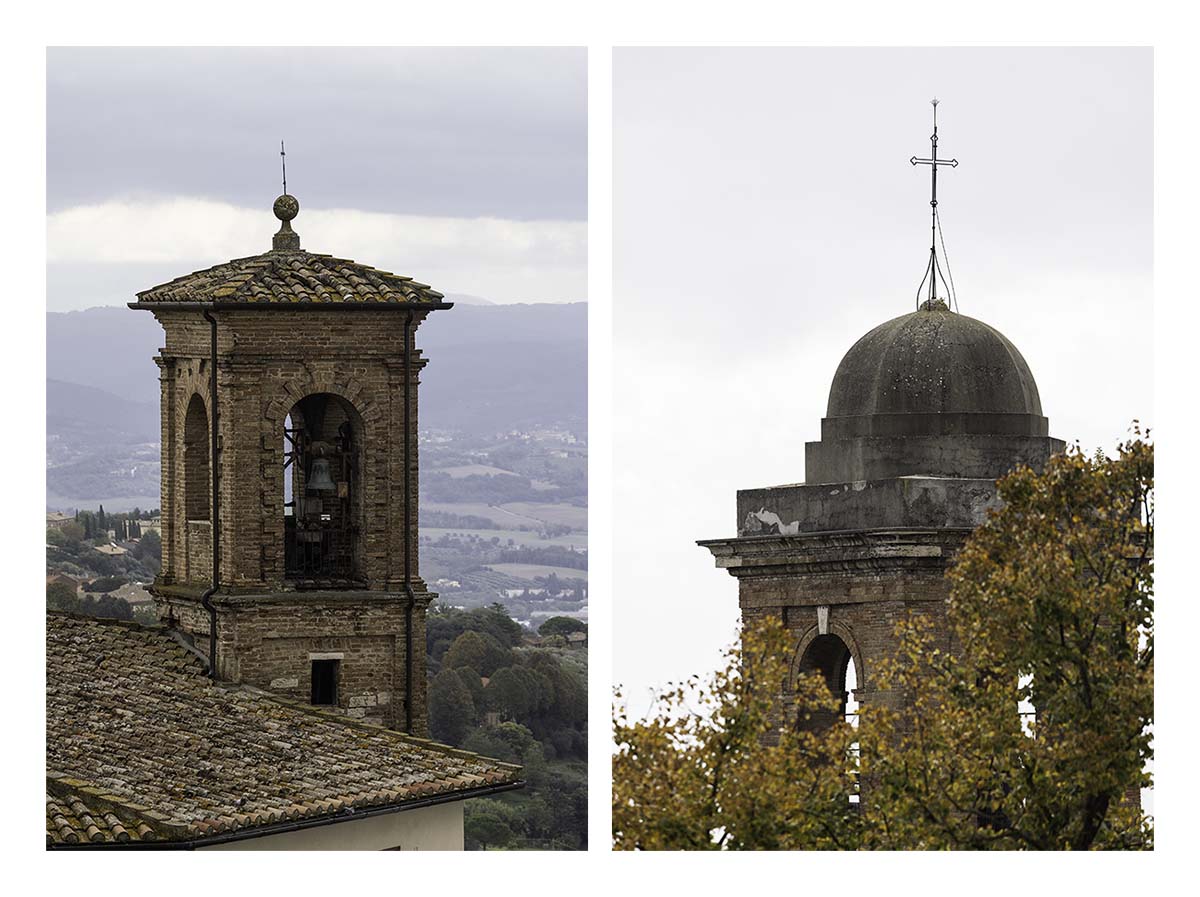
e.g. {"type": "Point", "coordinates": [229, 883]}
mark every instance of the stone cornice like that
{"type": "Point", "coordinates": [844, 551]}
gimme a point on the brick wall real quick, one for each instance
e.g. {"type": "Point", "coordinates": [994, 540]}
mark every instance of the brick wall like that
{"type": "Point", "coordinates": [198, 552]}
{"type": "Point", "coordinates": [868, 582]}
{"type": "Point", "coordinates": [267, 362]}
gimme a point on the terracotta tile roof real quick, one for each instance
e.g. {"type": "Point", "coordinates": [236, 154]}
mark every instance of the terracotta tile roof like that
{"type": "Point", "coordinates": [140, 743]}
{"type": "Point", "coordinates": [292, 276]}
{"type": "Point", "coordinates": [70, 819]}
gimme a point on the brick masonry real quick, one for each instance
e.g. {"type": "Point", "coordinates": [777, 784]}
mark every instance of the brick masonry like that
{"type": "Point", "coordinates": [268, 360]}
{"type": "Point", "coordinates": [869, 581]}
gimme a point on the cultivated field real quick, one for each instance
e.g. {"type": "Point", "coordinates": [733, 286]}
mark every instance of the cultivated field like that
{"type": "Point", "coordinates": [517, 513]}
{"type": "Point", "coordinates": [566, 515]}
{"type": "Point", "coordinates": [520, 537]}
{"type": "Point", "coordinates": [466, 470]}
{"type": "Point", "coordinates": [530, 571]}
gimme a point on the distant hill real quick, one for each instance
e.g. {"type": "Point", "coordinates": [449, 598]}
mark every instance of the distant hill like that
{"type": "Point", "coordinates": [106, 348]}
{"type": "Point", "coordinates": [71, 406]}
{"type": "Point", "coordinates": [467, 299]}
{"type": "Point", "coordinates": [492, 368]}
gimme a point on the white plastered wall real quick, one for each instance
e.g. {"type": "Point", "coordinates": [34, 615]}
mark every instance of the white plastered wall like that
{"type": "Point", "coordinates": [439, 827]}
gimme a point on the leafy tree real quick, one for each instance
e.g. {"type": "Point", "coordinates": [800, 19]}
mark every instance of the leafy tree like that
{"type": "Point", "coordinates": [563, 787]}
{"type": "Point", "coordinates": [444, 625]}
{"type": "Point", "coordinates": [511, 692]}
{"type": "Point", "coordinates": [108, 606]}
{"type": "Point", "coordinates": [451, 710]}
{"type": "Point", "coordinates": [1051, 605]}
{"type": "Point", "coordinates": [561, 626]}
{"type": "Point", "coordinates": [60, 596]}
{"type": "Point", "coordinates": [510, 742]}
{"type": "Point", "coordinates": [728, 777]}
{"type": "Point", "coordinates": [507, 630]}
{"type": "Point", "coordinates": [474, 684]}
{"type": "Point", "coordinates": [551, 811]}
{"type": "Point", "coordinates": [105, 584]}
{"type": "Point", "coordinates": [490, 824]}
{"type": "Point", "coordinates": [477, 650]}
{"type": "Point", "coordinates": [149, 546]}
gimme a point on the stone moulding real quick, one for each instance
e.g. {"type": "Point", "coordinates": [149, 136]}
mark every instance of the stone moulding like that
{"type": "Point", "coordinates": [871, 552]}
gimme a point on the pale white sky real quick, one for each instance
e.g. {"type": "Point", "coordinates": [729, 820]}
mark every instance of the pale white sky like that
{"type": "Point", "coordinates": [766, 216]}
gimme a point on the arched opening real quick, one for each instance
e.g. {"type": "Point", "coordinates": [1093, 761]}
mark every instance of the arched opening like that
{"type": "Point", "coordinates": [322, 494]}
{"type": "Point", "coordinates": [829, 656]}
{"type": "Point", "coordinates": [197, 485]}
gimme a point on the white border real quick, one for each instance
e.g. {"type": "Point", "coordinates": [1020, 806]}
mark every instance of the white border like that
{"type": "Point", "coordinates": [1166, 26]}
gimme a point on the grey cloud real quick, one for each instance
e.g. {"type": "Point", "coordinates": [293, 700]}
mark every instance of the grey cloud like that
{"type": "Point", "coordinates": [428, 131]}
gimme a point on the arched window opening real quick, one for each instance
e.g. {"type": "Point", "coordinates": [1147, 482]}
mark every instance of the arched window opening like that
{"type": "Point", "coordinates": [830, 657]}
{"type": "Point", "coordinates": [197, 485]}
{"type": "Point", "coordinates": [322, 497]}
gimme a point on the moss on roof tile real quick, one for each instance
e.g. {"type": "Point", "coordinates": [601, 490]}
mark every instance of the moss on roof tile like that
{"type": "Point", "coordinates": [291, 276]}
{"type": "Point", "coordinates": [136, 731]}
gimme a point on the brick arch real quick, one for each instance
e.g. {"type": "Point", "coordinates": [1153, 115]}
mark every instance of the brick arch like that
{"type": "Point", "coordinates": [817, 720]}
{"type": "Point", "coordinates": [192, 384]}
{"type": "Point", "coordinates": [371, 431]}
{"type": "Point", "coordinates": [348, 388]}
{"type": "Point", "coordinates": [842, 631]}
{"type": "Point", "coordinates": [197, 469]}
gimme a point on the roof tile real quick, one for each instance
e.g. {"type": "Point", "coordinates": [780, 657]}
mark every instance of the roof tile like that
{"type": "Point", "coordinates": [141, 745]}
{"type": "Point", "coordinates": [292, 276]}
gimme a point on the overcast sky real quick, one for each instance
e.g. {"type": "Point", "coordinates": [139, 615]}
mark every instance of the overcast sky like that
{"type": "Point", "coordinates": [766, 216]}
{"type": "Point", "coordinates": [464, 168]}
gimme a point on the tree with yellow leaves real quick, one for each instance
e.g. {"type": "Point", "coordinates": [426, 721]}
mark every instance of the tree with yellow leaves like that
{"type": "Point", "coordinates": [1051, 610]}
{"type": "Point", "coordinates": [729, 776]}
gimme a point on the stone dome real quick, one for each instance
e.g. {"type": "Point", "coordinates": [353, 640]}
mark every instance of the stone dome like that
{"type": "Point", "coordinates": [933, 361]}
{"type": "Point", "coordinates": [930, 393]}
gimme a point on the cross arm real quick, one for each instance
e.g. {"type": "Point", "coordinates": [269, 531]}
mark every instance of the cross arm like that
{"type": "Point", "coordinates": [953, 163]}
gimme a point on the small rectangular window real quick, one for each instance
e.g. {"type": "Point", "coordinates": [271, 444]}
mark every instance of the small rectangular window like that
{"type": "Point", "coordinates": [324, 681]}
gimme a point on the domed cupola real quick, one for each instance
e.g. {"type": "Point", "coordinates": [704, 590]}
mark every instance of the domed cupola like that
{"type": "Point", "coordinates": [930, 393]}
{"type": "Point", "coordinates": [931, 362]}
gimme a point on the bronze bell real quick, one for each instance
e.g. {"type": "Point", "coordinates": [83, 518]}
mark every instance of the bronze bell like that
{"type": "Point", "coordinates": [319, 479]}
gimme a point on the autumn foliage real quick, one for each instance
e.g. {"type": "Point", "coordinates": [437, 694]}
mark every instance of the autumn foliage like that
{"type": "Point", "coordinates": [1029, 730]}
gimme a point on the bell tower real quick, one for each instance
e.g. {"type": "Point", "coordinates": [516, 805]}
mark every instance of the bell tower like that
{"type": "Point", "coordinates": [925, 413]}
{"type": "Point", "coordinates": [289, 475]}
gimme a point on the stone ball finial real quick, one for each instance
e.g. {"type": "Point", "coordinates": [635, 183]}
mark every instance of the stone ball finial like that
{"type": "Point", "coordinates": [286, 207]}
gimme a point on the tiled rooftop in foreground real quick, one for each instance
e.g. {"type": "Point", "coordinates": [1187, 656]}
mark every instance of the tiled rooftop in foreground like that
{"type": "Point", "coordinates": [142, 746]}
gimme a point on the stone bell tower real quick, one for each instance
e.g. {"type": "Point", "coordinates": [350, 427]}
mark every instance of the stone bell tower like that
{"type": "Point", "coordinates": [289, 475]}
{"type": "Point", "coordinates": [925, 413]}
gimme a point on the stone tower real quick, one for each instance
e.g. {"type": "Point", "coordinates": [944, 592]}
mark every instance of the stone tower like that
{"type": "Point", "coordinates": [925, 412]}
{"type": "Point", "coordinates": [289, 475]}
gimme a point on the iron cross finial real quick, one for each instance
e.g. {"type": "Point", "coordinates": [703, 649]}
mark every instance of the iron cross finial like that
{"type": "Point", "coordinates": [932, 270]}
{"type": "Point", "coordinates": [283, 162]}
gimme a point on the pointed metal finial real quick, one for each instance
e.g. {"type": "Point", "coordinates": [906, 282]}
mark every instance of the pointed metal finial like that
{"type": "Point", "coordinates": [286, 208]}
